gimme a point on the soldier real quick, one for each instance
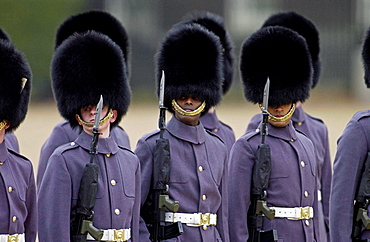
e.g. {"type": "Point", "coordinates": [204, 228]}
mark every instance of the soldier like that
{"type": "Point", "coordinates": [280, 55]}
{"type": "Point", "coordinates": [101, 22]}
{"type": "Point", "coordinates": [191, 59]}
{"type": "Point", "coordinates": [85, 66]}
{"type": "Point", "coordinates": [10, 138]}
{"type": "Point", "coordinates": [349, 163]}
{"type": "Point", "coordinates": [215, 24]}
{"type": "Point", "coordinates": [18, 214]}
{"type": "Point", "coordinates": [313, 127]}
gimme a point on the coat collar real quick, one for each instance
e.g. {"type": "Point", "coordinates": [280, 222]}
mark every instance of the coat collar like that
{"type": "Point", "coordinates": [210, 121]}
{"type": "Point", "coordinates": [3, 152]}
{"type": "Point", "coordinates": [192, 134]}
{"type": "Point", "coordinates": [287, 133]}
{"type": "Point", "coordinates": [299, 115]}
{"type": "Point", "coordinates": [105, 145]}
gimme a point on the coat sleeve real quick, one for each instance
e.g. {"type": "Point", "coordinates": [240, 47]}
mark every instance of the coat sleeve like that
{"type": "Point", "coordinates": [57, 138]}
{"type": "Point", "coordinates": [145, 155]}
{"type": "Point", "coordinates": [349, 159]}
{"type": "Point", "coordinates": [326, 176]}
{"type": "Point", "coordinates": [136, 212]}
{"type": "Point", "coordinates": [240, 173]}
{"type": "Point", "coordinates": [54, 201]}
{"type": "Point", "coordinates": [31, 220]}
{"type": "Point", "coordinates": [222, 213]}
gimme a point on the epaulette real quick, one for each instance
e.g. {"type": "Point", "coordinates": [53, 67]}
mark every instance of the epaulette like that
{"type": "Point", "coordinates": [148, 135]}
{"type": "Point", "coordinates": [17, 154]}
{"type": "Point", "coordinates": [361, 114]}
{"type": "Point", "coordinates": [125, 148]}
{"type": "Point", "coordinates": [226, 125]}
{"type": "Point", "coordinates": [251, 133]}
{"type": "Point", "coordinates": [214, 134]}
{"type": "Point", "coordinates": [301, 132]}
{"type": "Point", "coordinates": [67, 146]}
{"type": "Point", "coordinates": [315, 118]}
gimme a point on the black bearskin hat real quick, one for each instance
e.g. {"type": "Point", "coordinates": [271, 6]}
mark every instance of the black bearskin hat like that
{"type": "Point", "coordinates": [191, 59]}
{"type": "Point", "coordinates": [215, 24]}
{"type": "Point", "coordinates": [366, 58]}
{"type": "Point", "coordinates": [281, 55]}
{"type": "Point", "coordinates": [4, 35]}
{"type": "Point", "coordinates": [98, 21]}
{"type": "Point", "coordinates": [84, 67]}
{"type": "Point", "coordinates": [15, 81]}
{"type": "Point", "coordinates": [307, 29]}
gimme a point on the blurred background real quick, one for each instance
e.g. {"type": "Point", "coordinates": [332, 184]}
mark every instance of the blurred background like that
{"type": "Point", "coordinates": [31, 25]}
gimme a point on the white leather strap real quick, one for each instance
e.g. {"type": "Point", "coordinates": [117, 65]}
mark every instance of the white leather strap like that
{"type": "Point", "coordinates": [296, 213]}
{"type": "Point", "coordinates": [12, 238]}
{"type": "Point", "coordinates": [319, 196]}
{"type": "Point", "coordinates": [114, 235]}
{"type": "Point", "coordinates": [192, 219]}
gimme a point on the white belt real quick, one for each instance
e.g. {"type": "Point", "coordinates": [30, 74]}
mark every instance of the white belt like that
{"type": "Point", "coordinates": [296, 213]}
{"type": "Point", "coordinates": [319, 197]}
{"type": "Point", "coordinates": [114, 235]}
{"type": "Point", "coordinates": [12, 238]}
{"type": "Point", "coordinates": [192, 219]}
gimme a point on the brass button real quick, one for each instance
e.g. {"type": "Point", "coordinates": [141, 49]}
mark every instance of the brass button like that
{"type": "Point", "coordinates": [292, 140]}
{"type": "Point", "coordinates": [10, 189]}
{"type": "Point", "coordinates": [113, 182]}
{"type": "Point", "coordinates": [14, 219]}
{"type": "Point", "coordinates": [299, 123]}
{"type": "Point", "coordinates": [307, 223]}
{"type": "Point", "coordinates": [73, 143]}
{"type": "Point", "coordinates": [108, 155]}
{"type": "Point", "coordinates": [257, 130]}
{"type": "Point", "coordinates": [305, 193]}
{"type": "Point", "coordinates": [204, 197]}
{"type": "Point", "coordinates": [1, 163]}
{"type": "Point", "coordinates": [303, 164]}
{"type": "Point", "coordinates": [204, 227]}
{"type": "Point", "coordinates": [200, 168]}
{"type": "Point", "coordinates": [117, 211]}
{"type": "Point", "coordinates": [215, 130]}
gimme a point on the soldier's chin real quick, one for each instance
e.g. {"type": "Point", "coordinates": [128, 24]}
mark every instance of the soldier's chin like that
{"type": "Point", "coordinates": [279, 124]}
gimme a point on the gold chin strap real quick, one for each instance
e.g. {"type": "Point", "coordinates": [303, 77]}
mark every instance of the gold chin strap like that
{"type": "Point", "coordinates": [2, 124]}
{"type": "Point", "coordinates": [102, 121]}
{"type": "Point", "coordinates": [188, 113]}
{"type": "Point", "coordinates": [285, 117]}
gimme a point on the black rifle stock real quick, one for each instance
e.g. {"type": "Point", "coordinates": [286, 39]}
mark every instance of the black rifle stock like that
{"type": "Point", "coordinates": [261, 175]}
{"type": "Point", "coordinates": [360, 217]}
{"type": "Point", "coordinates": [160, 200]}
{"type": "Point", "coordinates": [82, 224]}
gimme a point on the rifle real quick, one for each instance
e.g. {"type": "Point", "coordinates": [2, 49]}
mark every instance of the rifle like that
{"type": "Point", "coordinates": [260, 180]}
{"type": "Point", "coordinates": [360, 217]}
{"type": "Point", "coordinates": [82, 224]}
{"type": "Point", "coordinates": [160, 201]}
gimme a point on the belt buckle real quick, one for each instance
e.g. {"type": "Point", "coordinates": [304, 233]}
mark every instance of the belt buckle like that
{"type": "Point", "coordinates": [119, 235]}
{"type": "Point", "coordinates": [13, 238]}
{"type": "Point", "coordinates": [305, 213]}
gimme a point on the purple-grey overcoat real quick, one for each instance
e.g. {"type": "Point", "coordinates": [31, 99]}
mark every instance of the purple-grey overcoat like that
{"type": "Point", "coordinates": [18, 213]}
{"type": "Point", "coordinates": [117, 202]}
{"type": "Point", "coordinates": [211, 122]}
{"type": "Point", "coordinates": [292, 183]}
{"type": "Point", "coordinates": [197, 190]}
{"type": "Point", "coordinates": [63, 134]}
{"type": "Point", "coordinates": [12, 141]}
{"type": "Point", "coordinates": [352, 148]}
{"type": "Point", "coordinates": [317, 132]}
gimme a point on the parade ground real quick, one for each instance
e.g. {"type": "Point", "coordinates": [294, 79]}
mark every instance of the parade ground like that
{"type": "Point", "coordinates": [335, 109]}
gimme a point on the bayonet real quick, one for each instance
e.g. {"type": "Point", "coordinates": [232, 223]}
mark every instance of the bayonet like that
{"type": "Point", "coordinates": [161, 91]}
{"type": "Point", "coordinates": [266, 91]}
{"type": "Point", "coordinates": [95, 130]}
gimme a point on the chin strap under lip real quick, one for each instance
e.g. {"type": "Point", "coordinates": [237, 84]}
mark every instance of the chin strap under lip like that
{"type": "Point", "coordinates": [285, 117]}
{"type": "Point", "coordinates": [188, 113]}
{"type": "Point", "coordinates": [3, 124]}
{"type": "Point", "coordinates": [102, 121]}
